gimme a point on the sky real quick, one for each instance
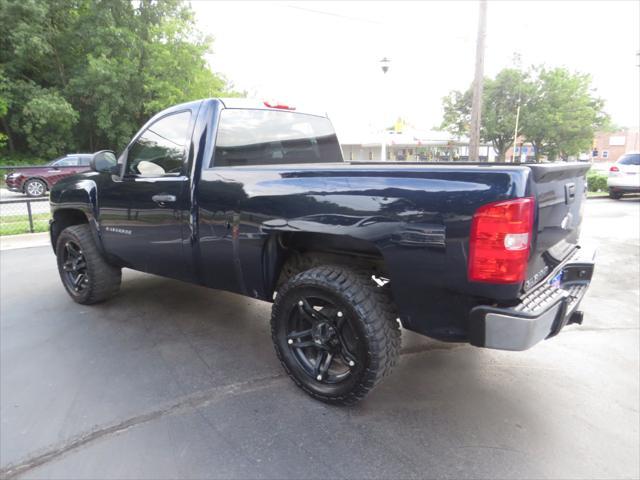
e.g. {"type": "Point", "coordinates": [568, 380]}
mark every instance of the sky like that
{"type": "Point", "coordinates": [326, 55]}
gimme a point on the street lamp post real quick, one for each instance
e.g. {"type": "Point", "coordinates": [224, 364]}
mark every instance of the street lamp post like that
{"type": "Point", "coordinates": [385, 63]}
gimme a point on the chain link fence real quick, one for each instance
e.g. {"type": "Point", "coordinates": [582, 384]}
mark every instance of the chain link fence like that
{"type": "Point", "coordinates": [24, 216]}
{"type": "Point", "coordinates": [19, 213]}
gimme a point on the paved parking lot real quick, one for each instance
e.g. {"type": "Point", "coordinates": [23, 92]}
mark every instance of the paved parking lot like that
{"type": "Point", "coordinates": [170, 380]}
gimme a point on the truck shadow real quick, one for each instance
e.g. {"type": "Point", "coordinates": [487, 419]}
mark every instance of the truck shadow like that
{"type": "Point", "coordinates": [160, 341]}
{"type": "Point", "coordinates": [228, 331]}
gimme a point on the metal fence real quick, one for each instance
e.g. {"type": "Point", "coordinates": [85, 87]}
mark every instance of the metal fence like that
{"type": "Point", "coordinates": [24, 215]}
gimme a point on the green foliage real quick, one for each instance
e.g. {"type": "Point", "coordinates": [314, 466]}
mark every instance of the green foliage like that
{"type": "Point", "coordinates": [86, 74]}
{"type": "Point", "coordinates": [559, 113]}
{"type": "Point", "coordinates": [457, 113]}
{"type": "Point", "coordinates": [596, 182]}
{"type": "Point", "coordinates": [564, 113]}
{"type": "Point", "coordinates": [45, 137]}
{"type": "Point", "coordinates": [20, 159]}
{"type": "Point", "coordinates": [500, 99]}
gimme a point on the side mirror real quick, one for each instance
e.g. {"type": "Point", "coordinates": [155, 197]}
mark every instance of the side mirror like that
{"type": "Point", "coordinates": [105, 161]}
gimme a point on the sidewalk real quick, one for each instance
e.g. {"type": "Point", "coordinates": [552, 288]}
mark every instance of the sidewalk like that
{"type": "Point", "coordinates": [26, 240]}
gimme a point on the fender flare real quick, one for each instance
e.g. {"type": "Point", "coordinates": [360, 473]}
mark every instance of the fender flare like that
{"type": "Point", "coordinates": [80, 196]}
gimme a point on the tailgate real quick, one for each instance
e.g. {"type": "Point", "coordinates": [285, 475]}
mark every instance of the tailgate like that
{"type": "Point", "coordinates": [560, 193]}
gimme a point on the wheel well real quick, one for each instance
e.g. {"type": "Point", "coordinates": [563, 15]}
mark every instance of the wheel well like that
{"type": "Point", "coordinates": [63, 219]}
{"type": "Point", "coordinates": [291, 253]}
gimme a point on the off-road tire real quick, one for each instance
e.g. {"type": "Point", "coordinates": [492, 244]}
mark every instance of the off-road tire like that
{"type": "Point", "coordinates": [103, 278]}
{"type": "Point", "coordinates": [370, 306]}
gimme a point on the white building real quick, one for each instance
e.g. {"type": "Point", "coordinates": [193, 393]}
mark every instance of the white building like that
{"type": "Point", "coordinates": [411, 146]}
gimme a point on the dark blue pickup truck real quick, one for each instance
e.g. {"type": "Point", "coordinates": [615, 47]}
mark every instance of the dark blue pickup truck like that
{"type": "Point", "coordinates": [256, 199]}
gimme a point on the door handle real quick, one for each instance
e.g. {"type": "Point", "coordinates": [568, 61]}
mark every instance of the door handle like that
{"type": "Point", "coordinates": [163, 198]}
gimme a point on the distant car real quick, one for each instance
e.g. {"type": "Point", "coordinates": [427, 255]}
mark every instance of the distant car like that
{"type": "Point", "coordinates": [624, 175]}
{"type": "Point", "coordinates": [36, 181]}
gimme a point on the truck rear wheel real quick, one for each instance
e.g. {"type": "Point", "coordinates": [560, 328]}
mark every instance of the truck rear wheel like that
{"type": "Point", "coordinates": [85, 274]}
{"type": "Point", "coordinates": [335, 333]}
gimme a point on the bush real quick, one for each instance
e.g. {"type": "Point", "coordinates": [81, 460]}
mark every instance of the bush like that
{"type": "Point", "coordinates": [596, 182]}
{"type": "Point", "coordinates": [21, 159]}
{"type": "Point", "coordinates": [47, 121]}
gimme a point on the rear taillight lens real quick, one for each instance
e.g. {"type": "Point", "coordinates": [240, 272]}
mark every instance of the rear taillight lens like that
{"type": "Point", "coordinates": [500, 241]}
{"type": "Point", "coordinates": [614, 169]}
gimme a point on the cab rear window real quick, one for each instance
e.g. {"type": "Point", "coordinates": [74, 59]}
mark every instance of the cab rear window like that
{"type": "Point", "coordinates": [265, 137]}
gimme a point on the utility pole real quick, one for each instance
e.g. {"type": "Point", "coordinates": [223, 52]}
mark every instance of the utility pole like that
{"type": "Point", "coordinates": [516, 61]}
{"type": "Point", "coordinates": [476, 105]}
{"type": "Point", "coordinates": [385, 63]}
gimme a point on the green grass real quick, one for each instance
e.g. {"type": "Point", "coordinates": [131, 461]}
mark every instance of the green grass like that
{"type": "Point", "coordinates": [17, 224]}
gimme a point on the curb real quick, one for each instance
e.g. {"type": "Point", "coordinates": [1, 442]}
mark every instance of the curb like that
{"type": "Point", "coordinates": [25, 240]}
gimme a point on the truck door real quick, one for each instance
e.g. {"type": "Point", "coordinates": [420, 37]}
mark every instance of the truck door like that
{"type": "Point", "coordinates": [144, 212]}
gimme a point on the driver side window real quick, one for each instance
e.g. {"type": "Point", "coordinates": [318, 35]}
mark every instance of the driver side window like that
{"type": "Point", "coordinates": [161, 148]}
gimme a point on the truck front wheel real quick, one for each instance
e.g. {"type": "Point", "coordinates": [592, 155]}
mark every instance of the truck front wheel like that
{"type": "Point", "coordinates": [85, 274]}
{"type": "Point", "coordinates": [335, 333]}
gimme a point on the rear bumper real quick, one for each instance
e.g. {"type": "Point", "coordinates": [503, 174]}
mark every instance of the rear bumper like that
{"type": "Point", "coordinates": [541, 314]}
{"type": "Point", "coordinates": [624, 182]}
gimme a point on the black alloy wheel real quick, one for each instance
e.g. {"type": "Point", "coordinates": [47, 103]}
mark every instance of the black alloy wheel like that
{"type": "Point", "coordinates": [323, 339]}
{"type": "Point", "coordinates": [335, 333]}
{"type": "Point", "coordinates": [74, 266]}
{"type": "Point", "coordinates": [85, 273]}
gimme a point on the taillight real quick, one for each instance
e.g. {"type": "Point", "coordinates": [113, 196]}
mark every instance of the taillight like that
{"type": "Point", "coordinates": [500, 241]}
{"type": "Point", "coordinates": [614, 169]}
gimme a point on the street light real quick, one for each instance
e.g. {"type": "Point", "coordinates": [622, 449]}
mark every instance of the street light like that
{"type": "Point", "coordinates": [385, 63]}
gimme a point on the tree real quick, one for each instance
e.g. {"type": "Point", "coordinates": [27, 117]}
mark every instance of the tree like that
{"type": "Point", "coordinates": [563, 113]}
{"type": "Point", "coordinates": [48, 138]}
{"type": "Point", "coordinates": [559, 112]}
{"type": "Point", "coordinates": [500, 100]}
{"type": "Point", "coordinates": [509, 90]}
{"type": "Point", "coordinates": [88, 73]}
{"type": "Point", "coordinates": [457, 113]}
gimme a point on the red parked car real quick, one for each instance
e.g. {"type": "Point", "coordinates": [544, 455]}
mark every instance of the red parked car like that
{"type": "Point", "coordinates": [36, 181]}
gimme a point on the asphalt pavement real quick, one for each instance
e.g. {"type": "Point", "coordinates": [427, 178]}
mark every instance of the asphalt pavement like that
{"type": "Point", "coordinates": [169, 380]}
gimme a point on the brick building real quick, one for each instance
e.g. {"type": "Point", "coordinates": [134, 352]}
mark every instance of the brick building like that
{"type": "Point", "coordinates": [608, 147]}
